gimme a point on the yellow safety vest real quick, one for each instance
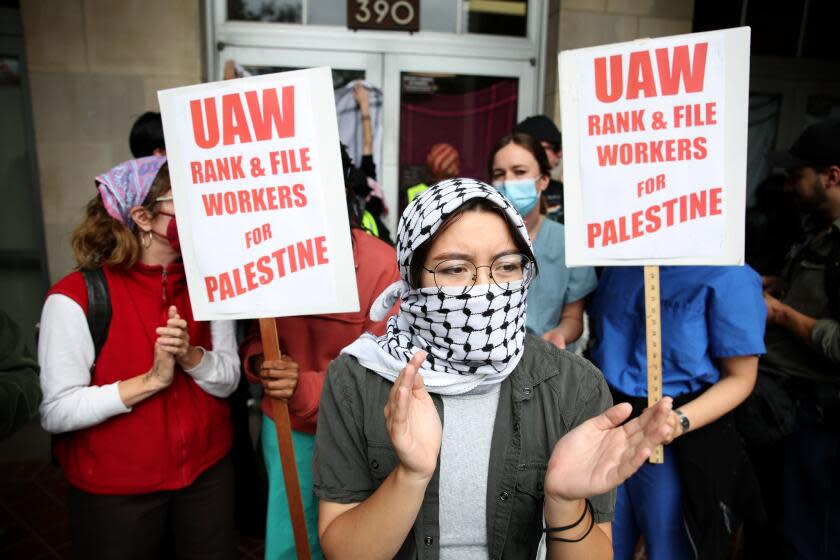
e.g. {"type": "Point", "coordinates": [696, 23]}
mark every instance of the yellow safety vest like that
{"type": "Point", "coordinates": [414, 192]}
{"type": "Point", "coordinates": [369, 223]}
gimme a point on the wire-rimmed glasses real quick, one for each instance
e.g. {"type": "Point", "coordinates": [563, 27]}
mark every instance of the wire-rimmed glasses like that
{"type": "Point", "coordinates": [504, 271]}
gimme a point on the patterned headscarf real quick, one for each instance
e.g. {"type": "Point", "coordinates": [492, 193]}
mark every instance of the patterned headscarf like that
{"type": "Point", "coordinates": [127, 185]}
{"type": "Point", "coordinates": [473, 339]}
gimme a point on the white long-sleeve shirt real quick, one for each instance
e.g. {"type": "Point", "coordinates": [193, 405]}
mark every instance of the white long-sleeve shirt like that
{"type": "Point", "coordinates": [66, 354]}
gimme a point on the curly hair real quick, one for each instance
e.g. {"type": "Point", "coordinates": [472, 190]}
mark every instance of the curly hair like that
{"type": "Point", "coordinates": [102, 240]}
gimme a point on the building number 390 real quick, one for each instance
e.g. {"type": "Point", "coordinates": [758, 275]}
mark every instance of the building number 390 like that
{"type": "Point", "coordinates": [401, 12]}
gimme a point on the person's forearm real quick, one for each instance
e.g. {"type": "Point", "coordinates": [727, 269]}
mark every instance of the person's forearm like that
{"type": "Point", "coordinates": [217, 371]}
{"type": "Point", "coordinates": [571, 328]}
{"type": "Point", "coordinates": [191, 358]}
{"type": "Point", "coordinates": [377, 527]}
{"type": "Point", "coordinates": [571, 321]}
{"type": "Point", "coordinates": [736, 384]}
{"type": "Point", "coordinates": [140, 387]}
{"type": "Point", "coordinates": [367, 135]}
{"type": "Point", "coordinates": [801, 325]}
{"type": "Point", "coordinates": [560, 513]}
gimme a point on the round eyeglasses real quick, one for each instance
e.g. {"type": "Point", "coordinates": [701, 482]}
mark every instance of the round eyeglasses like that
{"type": "Point", "coordinates": [504, 271]}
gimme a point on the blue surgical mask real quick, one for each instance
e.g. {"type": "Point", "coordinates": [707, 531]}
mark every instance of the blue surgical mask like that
{"type": "Point", "coordinates": [522, 193]}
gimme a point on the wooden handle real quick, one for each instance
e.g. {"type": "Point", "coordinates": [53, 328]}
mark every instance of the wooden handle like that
{"type": "Point", "coordinates": [283, 424]}
{"type": "Point", "coordinates": [653, 335]}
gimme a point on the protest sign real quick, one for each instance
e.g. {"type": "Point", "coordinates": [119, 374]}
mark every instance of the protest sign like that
{"type": "Point", "coordinates": [654, 146]}
{"type": "Point", "coordinates": [259, 190]}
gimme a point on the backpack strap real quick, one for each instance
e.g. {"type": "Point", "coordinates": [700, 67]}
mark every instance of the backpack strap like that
{"type": "Point", "coordinates": [99, 307]}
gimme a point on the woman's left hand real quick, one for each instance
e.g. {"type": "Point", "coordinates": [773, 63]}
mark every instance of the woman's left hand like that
{"type": "Point", "coordinates": [175, 339]}
{"type": "Point", "coordinates": [555, 337]}
{"type": "Point", "coordinates": [601, 453]}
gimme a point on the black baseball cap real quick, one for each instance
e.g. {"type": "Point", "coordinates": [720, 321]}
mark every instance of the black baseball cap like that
{"type": "Point", "coordinates": [542, 128]}
{"type": "Point", "coordinates": [817, 146]}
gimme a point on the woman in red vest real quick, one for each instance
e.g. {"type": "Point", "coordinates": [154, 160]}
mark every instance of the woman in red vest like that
{"type": "Point", "coordinates": [143, 430]}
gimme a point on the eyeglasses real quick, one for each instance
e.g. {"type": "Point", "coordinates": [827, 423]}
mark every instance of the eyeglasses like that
{"type": "Point", "coordinates": [504, 270]}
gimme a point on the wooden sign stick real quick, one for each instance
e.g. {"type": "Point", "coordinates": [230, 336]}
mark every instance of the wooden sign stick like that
{"type": "Point", "coordinates": [653, 335]}
{"type": "Point", "coordinates": [280, 411]}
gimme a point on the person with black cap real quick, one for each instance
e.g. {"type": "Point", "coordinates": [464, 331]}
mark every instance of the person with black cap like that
{"type": "Point", "coordinates": [803, 347]}
{"type": "Point", "coordinates": [545, 131]}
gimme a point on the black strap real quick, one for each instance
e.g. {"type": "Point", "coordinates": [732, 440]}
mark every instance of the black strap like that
{"type": "Point", "coordinates": [99, 307]}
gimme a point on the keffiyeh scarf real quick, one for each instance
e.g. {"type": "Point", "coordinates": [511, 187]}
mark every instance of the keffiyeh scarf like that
{"type": "Point", "coordinates": [473, 339]}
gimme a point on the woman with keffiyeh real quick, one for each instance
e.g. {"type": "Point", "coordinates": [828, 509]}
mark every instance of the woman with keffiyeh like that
{"type": "Point", "coordinates": [143, 430]}
{"type": "Point", "coordinates": [489, 437]}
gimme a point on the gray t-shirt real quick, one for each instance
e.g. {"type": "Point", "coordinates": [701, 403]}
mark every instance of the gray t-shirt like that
{"type": "Point", "coordinates": [463, 473]}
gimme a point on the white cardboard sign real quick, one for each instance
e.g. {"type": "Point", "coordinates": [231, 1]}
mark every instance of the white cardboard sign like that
{"type": "Point", "coordinates": [654, 150]}
{"type": "Point", "coordinates": [259, 190]}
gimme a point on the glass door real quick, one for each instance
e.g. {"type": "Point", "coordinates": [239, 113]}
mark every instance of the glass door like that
{"type": "Point", "coordinates": [462, 103]}
{"type": "Point", "coordinates": [347, 65]}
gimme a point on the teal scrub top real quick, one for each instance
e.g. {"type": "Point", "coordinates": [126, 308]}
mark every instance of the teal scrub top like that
{"type": "Point", "coordinates": [555, 285]}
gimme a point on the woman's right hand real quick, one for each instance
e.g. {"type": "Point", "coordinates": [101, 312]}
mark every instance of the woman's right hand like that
{"type": "Point", "coordinates": [413, 421]}
{"type": "Point", "coordinates": [163, 368]}
{"type": "Point", "coordinates": [142, 386]}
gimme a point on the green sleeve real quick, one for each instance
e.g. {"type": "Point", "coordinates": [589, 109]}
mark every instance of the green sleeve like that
{"type": "Point", "coordinates": [339, 463]}
{"type": "Point", "coordinates": [20, 390]}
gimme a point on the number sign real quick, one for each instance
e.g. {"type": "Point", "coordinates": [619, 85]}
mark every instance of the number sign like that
{"type": "Point", "coordinates": [386, 15]}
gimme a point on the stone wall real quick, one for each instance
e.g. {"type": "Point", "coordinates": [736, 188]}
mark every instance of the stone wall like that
{"type": "Point", "coordinates": [95, 66]}
{"type": "Point", "coordinates": [575, 24]}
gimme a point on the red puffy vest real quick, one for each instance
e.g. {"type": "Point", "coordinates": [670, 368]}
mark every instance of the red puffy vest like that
{"type": "Point", "coordinates": [167, 440]}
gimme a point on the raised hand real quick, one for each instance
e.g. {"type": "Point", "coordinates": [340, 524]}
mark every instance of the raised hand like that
{"type": "Point", "coordinates": [601, 453]}
{"type": "Point", "coordinates": [361, 94]}
{"type": "Point", "coordinates": [413, 422]}
{"type": "Point", "coordinates": [175, 339]}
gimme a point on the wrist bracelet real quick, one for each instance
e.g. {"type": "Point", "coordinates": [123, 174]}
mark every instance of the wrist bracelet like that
{"type": "Point", "coordinates": [586, 534]}
{"type": "Point", "coordinates": [586, 506]}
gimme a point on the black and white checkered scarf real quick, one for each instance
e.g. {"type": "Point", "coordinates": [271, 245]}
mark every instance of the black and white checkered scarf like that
{"type": "Point", "coordinates": [473, 339]}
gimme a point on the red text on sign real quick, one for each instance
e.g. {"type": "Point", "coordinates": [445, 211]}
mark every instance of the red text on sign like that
{"type": "Point", "coordinates": [652, 151]}
{"type": "Point", "coordinates": [262, 199]}
{"type": "Point", "coordinates": [265, 119]}
{"type": "Point", "coordinates": [258, 235]}
{"type": "Point", "coordinates": [289, 161]}
{"type": "Point", "coordinates": [219, 169]}
{"type": "Point", "coordinates": [702, 204]}
{"type": "Point", "coordinates": [697, 114]}
{"type": "Point", "coordinates": [616, 123]}
{"type": "Point", "coordinates": [650, 185]}
{"type": "Point", "coordinates": [674, 65]}
{"type": "Point", "coordinates": [264, 270]}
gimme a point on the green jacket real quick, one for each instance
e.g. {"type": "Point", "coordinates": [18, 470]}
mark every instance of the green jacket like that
{"type": "Point", "coordinates": [548, 393]}
{"type": "Point", "coordinates": [20, 391]}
